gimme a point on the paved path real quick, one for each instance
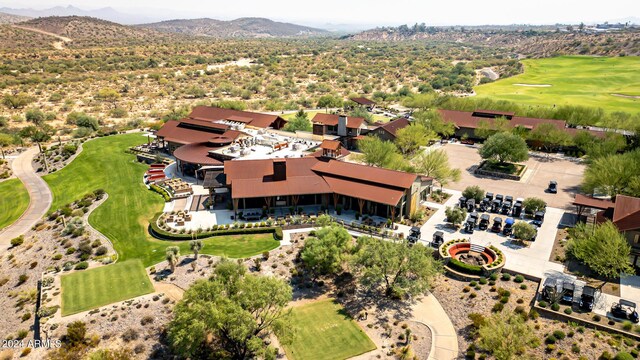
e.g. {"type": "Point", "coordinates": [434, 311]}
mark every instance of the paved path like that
{"type": "Point", "coordinates": [39, 194]}
{"type": "Point", "coordinates": [444, 345]}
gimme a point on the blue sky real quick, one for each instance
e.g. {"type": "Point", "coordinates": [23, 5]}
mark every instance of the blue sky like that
{"type": "Point", "coordinates": [382, 12]}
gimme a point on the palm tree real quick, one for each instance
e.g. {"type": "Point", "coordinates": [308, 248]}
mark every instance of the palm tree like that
{"type": "Point", "coordinates": [196, 246]}
{"type": "Point", "coordinates": [172, 253]}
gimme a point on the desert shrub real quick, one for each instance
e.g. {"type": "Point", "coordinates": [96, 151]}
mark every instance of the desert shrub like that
{"type": "Point", "coordinates": [518, 278]}
{"type": "Point", "coordinates": [550, 339]}
{"type": "Point", "coordinates": [17, 241]}
{"type": "Point", "coordinates": [101, 250]}
{"type": "Point", "coordinates": [497, 307]}
{"type": "Point", "coordinates": [146, 320]}
{"type": "Point", "coordinates": [81, 265]}
{"type": "Point", "coordinates": [129, 335]}
{"type": "Point", "coordinates": [22, 279]}
{"type": "Point", "coordinates": [568, 311]}
{"type": "Point", "coordinates": [555, 307]}
{"type": "Point", "coordinates": [505, 277]}
{"type": "Point", "coordinates": [623, 356]}
{"type": "Point", "coordinates": [627, 325]}
{"type": "Point", "coordinates": [559, 334]}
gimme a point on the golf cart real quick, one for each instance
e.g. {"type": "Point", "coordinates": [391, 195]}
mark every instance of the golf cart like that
{"type": "Point", "coordinates": [506, 207]}
{"type": "Point", "coordinates": [509, 198]}
{"type": "Point", "coordinates": [485, 204]}
{"type": "Point", "coordinates": [550, 285]}
{"type": "Point", "coordinates": [497, 224]}
{"type": "Point", "coordinates": [538, 218]}
{"type": "Point", "coordinates": [567, 292]}
{"type": "Point", "coordinates": [490, 196]}
{"type": "Point", "coordinates": [438, 239]}
{"type": "Point", "coordinates": [553, 187]}
{"type": "Point", "coordinates": [484, 222]}
{"type": "Point", "coordinates": [495, 206]}
{"type": "Point", "coordinates": [468, 226]}
{"type": "Point", "coordinates": [462, 202]}
{"type": "Point", "coordinates": [500, 198]}
{"type": "Point", "coordinates": [508, 226]}
{"type": "Point", "coordinates": [471, 205]}
{"type": "Point", "coordinates": [625, 310]}
{"type": "Point", "coordinates": [517, 210]}
{"type": "Point", "coordinates": [587, 298]}
{"type": "Point", "coordinates": [414, 235]}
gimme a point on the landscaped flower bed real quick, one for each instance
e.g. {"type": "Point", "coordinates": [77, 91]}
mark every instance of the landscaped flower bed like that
{"type": "Point", "coordinates": [451, 250]}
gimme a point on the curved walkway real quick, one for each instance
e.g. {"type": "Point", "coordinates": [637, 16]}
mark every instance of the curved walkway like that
{"type": "Point", "coordinates": [428, 311]}
{"type": "Point", "coordinates": [39, 194]}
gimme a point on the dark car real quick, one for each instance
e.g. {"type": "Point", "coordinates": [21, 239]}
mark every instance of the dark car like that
{"type": "Point", "coordinates": [625, 310]}
{"type": "Point", "coordinates": [471, 205]}
{"type": "Point", "coordinates": [495, 205]}
{"type": "Point", "coordinates": [462, 202]}
{"type": "Point", "coordinates": [506, 207]}
{"type": "Point", "coordinates": [414, 235]}
{"type": "Point", "coordinates": [550, 286]}
{"type": "Point", "coordinates": [587, 298]}
{"type": "Point", "coordinates": [508, 226]}
{"type": "Point", "coordinates": [538, 218]}
{"type": "Point", "coordinates": [567, 292]}
{"type": "Point", "coordinates": [438, 239]}
{"type": "Point", "coordinates": [497, 224]}
{"type": "Point", "coordinates": [484, 222]}
{"type": "Point", "coordinates": [553, 187]}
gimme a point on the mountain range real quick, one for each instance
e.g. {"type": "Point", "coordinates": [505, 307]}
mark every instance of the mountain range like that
{"type": "Point", "coordinates": [106, 13]}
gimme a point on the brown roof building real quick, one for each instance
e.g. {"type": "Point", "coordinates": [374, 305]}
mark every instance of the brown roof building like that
{"type": "Point", "coordinates": [340, 125]}
{"type": "Point", "coordinates": [389, 130]}
{"type": "Point", "coordinates": [364, 101]}
{"type": "Point", "coordinates": [324, 181]}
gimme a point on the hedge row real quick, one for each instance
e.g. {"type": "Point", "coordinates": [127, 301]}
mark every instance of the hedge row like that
{"type": "Point", "coordinates": [156, 232]}
{"type": "Point", "coordinates": [160, 191]}
{"type": "Point", "coordinates": [458, 265]}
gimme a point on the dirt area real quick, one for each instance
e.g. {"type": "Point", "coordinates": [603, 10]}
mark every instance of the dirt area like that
{"type": "Point", "coordinates": [540, 170]}
{"type": "Point", "coordinates": [461, 298]}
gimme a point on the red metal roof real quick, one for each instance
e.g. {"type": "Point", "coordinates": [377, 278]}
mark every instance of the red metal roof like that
{"type": "Point", "coordinates": [626, 213]}
{"type": "Point", "coordinates": [332, 120]}
{"type": "Point", "coordinates": [465, 119]}
{"type": "Point", "coordinates": [250, 118]}
{"type": "Point", "coordinates": [393, 126]}
{"type": "Point", "coordinates": [379, 194]}
{"type": "Point", "coordinates": [588, 201]}
{"type": "Point", "coordinates": [366, 173]}
{"type": "Point", "coordinates": [363, 101]}
{"type": "Point", "coordinates": [330, 145]}
{"type": "Point", "coordinates": [196, 153]}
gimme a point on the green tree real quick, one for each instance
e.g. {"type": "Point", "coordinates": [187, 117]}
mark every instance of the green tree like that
{"type": "Point", "coordinates": [533, 204]}
{"type": "Point", "coordinates": [361, 112]}
{"type": "Point", "coordinates": [35, 116]}
{"type": "Point", "coordinates": [327, 251]}
{"type": "Point", "coordinates": [524, 231]}
{"type": "Point", "coordinates": [474, 192]}
{"type": "Point", "coordinates": [410, 138]}
{"type": "Point", "coordinates": [38, 135]}
{"type": "Point", "coordinates": [377, 152]}
{"type": "Point", "coordinates": [594, 147]}
{"type": "Point", "coordinates": [614, 174]}
{"type": "Point", "coordinates": [549, 136]}
{"type": "Point", "coordinates": [5, 140]}
{"type": "Point", "coordinates": [330, 101]}
{"type": "Point", "coordinates": [229, 315]}
{"type": "Point", "coordinates": [505, 335]}
{"type": "Point", "coordinates": [602, 248]}
{"type": "Point", "coordinates": [81, 119]}
{"type": "Point", "coordinates": [16, 101]}
{"type": "Point", "coordinates": [487, 128]}
{"type": "Point", "coordinates": [300, 122]}
{"type": "Point", "coordinates": [455, 215]}
{"type": "Point", "coordinates": [435, 164]}
{"type": "Point", "coordinates": [195, 246]}
{"type": "Point", "coordinates": [172, 253]}
{"type": "Point", "coordinates": [76, 333]}
{"type": "Point", "coordinates": [108, 95]}
{"type": "Point", "coordinates": [504, 147]}
{"type": "Point", "coordinates": [396, 267]}
{"type": "Point", "coordinates": [433, 121]}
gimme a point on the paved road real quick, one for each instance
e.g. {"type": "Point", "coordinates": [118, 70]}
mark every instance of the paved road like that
{"type": "Point", "coordinates": [39, 194]}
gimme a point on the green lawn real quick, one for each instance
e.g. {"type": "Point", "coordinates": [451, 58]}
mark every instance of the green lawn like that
{"type": "Point", "coordinates": [325, 331]}
{"type": "Point", "coordinates": [574, 80]}
{"type": "Point", "coordinates": [14, 200]}
{"type": "Point", "coordinates": [125, 216]}
{"type": "Point", "coordinates": [89, 289]}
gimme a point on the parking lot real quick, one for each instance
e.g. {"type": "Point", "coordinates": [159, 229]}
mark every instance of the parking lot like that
{"type": "Point", "coordinates": [540, 170]}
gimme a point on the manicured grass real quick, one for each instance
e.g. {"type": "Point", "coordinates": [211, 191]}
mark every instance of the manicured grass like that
{"type": "Point", "coordinates": [574, 80]}
{"type": "Point", "coordinates": [125, 216]}
{"type": "Point", "coordinates": [14, 200]}
{"type": "Point", "coordinates": [89, 289]}
{"type": "Point", "coordinates": [325, 331]}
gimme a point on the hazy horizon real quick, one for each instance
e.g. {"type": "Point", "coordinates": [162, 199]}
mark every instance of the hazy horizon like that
{"type": "Point", "coordinates": [373, 13]}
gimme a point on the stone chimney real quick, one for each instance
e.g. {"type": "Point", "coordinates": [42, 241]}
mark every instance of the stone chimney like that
{"type": "Point", "coordinates": [279, 169]}
{"type": "Point", "coordinates": [342, 125]}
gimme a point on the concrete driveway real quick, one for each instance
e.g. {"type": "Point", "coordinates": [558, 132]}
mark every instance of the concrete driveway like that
{"type": "Point", "coordinates": [540, 170]}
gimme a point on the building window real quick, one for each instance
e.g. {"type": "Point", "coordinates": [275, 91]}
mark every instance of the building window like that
{"type": "Point", "coordinates": [636, 239]}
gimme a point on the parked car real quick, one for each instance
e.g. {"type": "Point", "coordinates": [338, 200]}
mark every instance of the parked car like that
{"type": "Point", "coordinates": [553, 187]}
{"type": "Point", "coordinates": [587, 298]}
{"type": "Point", "coordinates": [550, 285]}
{"type": "Point", "coordinates": [484, 222]}
{"type": "Point", "coordinates": [414, 235]}
{"type": "Point", "coordinates": [568, 287]}
{"type": "Point", "coordinates": [438, 239]}
{"type": "Point", "coordinates": [538, 218]}
{"type": "Point", "coordinates": [508, 226]}
{"type": "Point", "coordinates": [625, 310]}
{"type": "Point", "coordinates": [497, 224]}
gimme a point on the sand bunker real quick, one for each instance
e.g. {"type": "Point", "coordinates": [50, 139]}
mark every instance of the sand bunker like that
{"type": "Point", "coordinates": [533, 85]}
{"type": "Point", "coordinates": [627, 96]}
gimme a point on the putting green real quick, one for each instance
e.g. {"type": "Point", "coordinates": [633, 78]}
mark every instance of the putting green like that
{"type": "Point", "coordinates": [325, 331]}
{"type": "Point", "coordinates": [14, 200]}
{"type": "Point", "coordinates": [605, 82]}
{"type": "Point", "coordinates": [89, 289]}
{"type": "Point", "coordinates": [125, 215]}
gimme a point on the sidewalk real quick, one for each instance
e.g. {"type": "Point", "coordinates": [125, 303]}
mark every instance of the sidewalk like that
{"type": "Point", "coordinates": [445, 340]}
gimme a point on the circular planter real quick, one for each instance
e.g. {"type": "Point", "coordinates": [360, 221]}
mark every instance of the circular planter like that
{"type": "Point", "coordinates": [450, 252]}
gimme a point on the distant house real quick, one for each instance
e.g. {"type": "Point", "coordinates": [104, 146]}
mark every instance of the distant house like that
{"type": "Point", "coordinates": [389, 130]}
{"type": "Point", "coordinates": [362, 101]}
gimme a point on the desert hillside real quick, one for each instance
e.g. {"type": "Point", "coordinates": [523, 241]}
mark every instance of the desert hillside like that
{"type": "Point", "coordinates": [243, 27]}
{"type": "Point", "coordinates": [11, 19]}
